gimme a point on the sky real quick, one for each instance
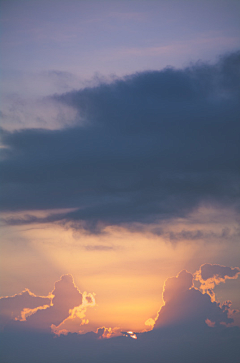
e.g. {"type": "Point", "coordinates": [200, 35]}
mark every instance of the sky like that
{"type": "Point", "coordinates": [120, 181]}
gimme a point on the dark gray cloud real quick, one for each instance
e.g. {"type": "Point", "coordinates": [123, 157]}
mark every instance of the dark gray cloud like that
{"type": "Point", "coordinates": [198, 234]}
{"type": "Point", "coordinates": [209, 271]}
{"type": "Point", "coordinates": [151, 146]}
{"type": "Point", "coordinates": [167, 346]}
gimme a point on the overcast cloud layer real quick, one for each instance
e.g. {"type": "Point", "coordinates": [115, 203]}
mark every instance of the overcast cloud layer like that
{"type": "Point", "coordinates": [151, 146]}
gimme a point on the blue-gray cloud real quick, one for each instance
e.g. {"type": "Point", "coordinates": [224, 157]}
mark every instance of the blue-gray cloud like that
{"type": "Point", "coordinates": [12, 306]}
{"type": "Point", "coordinates": [187, 306]}
{"type": "Point", "coordinates": [168, 346]}
{"type": "Point", "coordinates": [151, 146]}
{"type": "Point", "coordinates": [208, 271]}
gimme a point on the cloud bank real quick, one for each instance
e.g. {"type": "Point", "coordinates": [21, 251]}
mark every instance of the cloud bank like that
{"type": "Point", "coordinates": [151, 146]}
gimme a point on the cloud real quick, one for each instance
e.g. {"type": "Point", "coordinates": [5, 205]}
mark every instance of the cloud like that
{"type": "Point", "coordinates": [152, 146]}
{"type": "Point", "coordinates": [196, 235]}
{"type": "Point", "coordinates": [17, 306]}
{"type": "Point", "coordinates": [209, 271]}
{"type": "Point", "coordinates": [189, 321]}
{"type": "Point", "coordinates": [186, 305]}
{"type": "Point", "coordinates": [65, 296]}
{"type": "Point", "coordinates": [211, 275]}
{"type": "Point", "coordinates": [99, 248]}
{"type": "Point", "coordinates": [63, 311]}
{"type": "Point", "coordinates": [76, 320]}
{"type": "Point", "coordinates": [18, 112]}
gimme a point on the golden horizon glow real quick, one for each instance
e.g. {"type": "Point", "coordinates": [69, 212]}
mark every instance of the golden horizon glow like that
{"type": "Point", "coordinates": [124, 270]}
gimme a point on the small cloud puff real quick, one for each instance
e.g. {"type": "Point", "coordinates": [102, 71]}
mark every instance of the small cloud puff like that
{"type": "Point", "coordinates": [106, 333]}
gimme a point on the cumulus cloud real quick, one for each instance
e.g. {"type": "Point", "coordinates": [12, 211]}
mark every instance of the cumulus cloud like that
{"type": "Point", "coordinates": [106, 333]}
{"type": "Point", "coordinates": [148, 147]}
{"type": "Point", "coordinates": [18, 306]}
{"type": "Point", "coordinates": [76, 320]}
{"type": "Point", "coordinates": [62, 312]}
{"type": "Point", "coordinates": [189, 321]}
{"type": "Point", "coordinates": [65, 297]}
{"type": "Point", "coordinates": [209, 271]}
{"type": "Point", "coordinates": [211, 275]}
{"type": "Point", "coordinates": [186, 305]}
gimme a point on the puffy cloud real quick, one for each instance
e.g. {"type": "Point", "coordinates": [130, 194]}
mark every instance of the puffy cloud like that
{"type": "Point", "coordinates": [106, 333]}
{"type": "Point", "coordinates": [209, 271]}
{"type": "Point", "coordinates": [175, 286]}
{"type": "Point", "coordinates": [186, 305]}
{"type": "Point", "coordinates": [18, 306]}
{"type": "Point", "coordinates": [62, 312]}
{"type": "Point", "coordinates": [189, 321]}
{"type": "Point", "coordinates": [150, 322]}
{"type": "Point", "coordinates": [65, 296]}
{"type": "Point", "coordinates": [211, 275]}
{"type": "Point", "coordinates": [76, 319]}
{"type": "Point", "coordinates": [150, 146]}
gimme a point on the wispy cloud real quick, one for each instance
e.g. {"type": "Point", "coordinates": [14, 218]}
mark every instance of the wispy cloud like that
{"type": "Point", "coordinates": [99, 248]}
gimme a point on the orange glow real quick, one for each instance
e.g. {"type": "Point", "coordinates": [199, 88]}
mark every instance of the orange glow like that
{"type": "Point", "coordinates": [76, 318]}
{"type": "Point", "coordinates": [27, 312]}
{"type": "Point", "coordinates": [125, 269]}
{"type": "Point", "coordinates": [150, 322]}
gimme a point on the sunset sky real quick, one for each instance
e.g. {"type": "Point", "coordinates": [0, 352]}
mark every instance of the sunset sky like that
{"type": "Point", "coordinates": [120, 180]}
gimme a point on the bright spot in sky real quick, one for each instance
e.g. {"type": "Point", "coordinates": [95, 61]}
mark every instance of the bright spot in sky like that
{"type": "Point", "coordinates": [132, 335]}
